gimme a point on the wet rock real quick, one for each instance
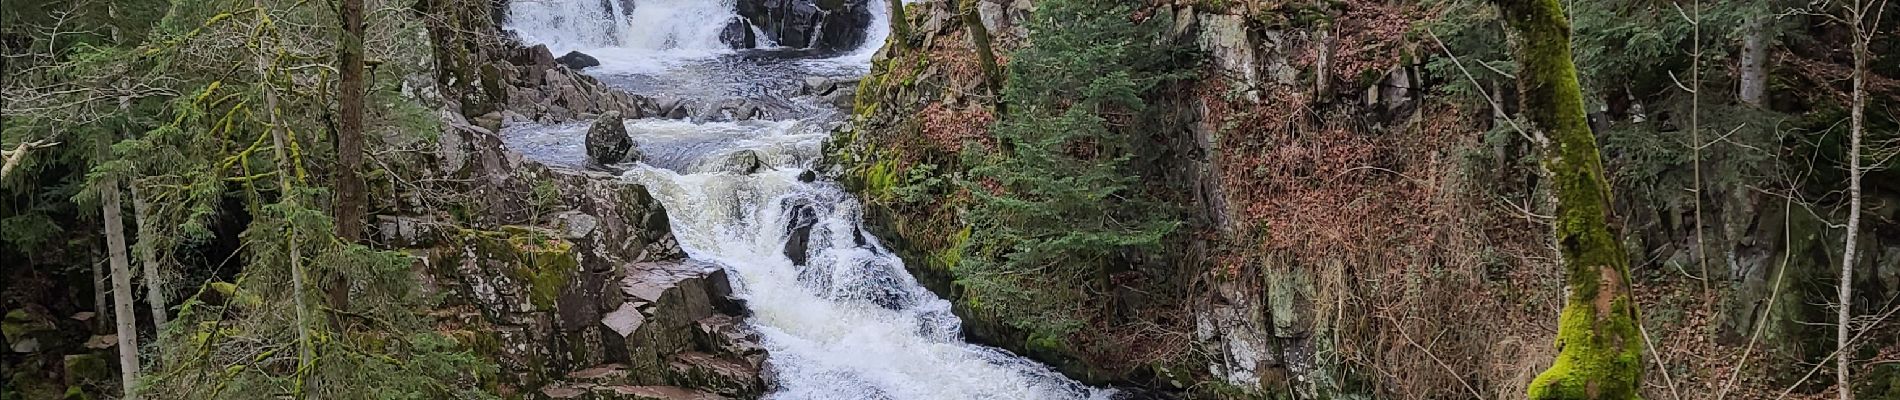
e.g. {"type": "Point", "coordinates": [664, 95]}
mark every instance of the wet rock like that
{"type": "Point", "coordinates": [745, 162]}
{"type": "Point", "coordinates": [490, 121]}
{"type": "Point", "coordinates": [678, 109]}
{"type": "Point", "coordinates": [729, 335]}
{"type": "Point", "coordinates": [607, 141]}
{"type": "Point", "coordinates": [717, 374]}
{"type": "Point", "coordinates": [735, 109]}
{"type": "Point", "coordinates": [738, 34]}
{"type": "Point", "coordinates": [577, 60]}
{"type": "Point", "coordinates": [798, 232]}
{"type": "Point", "coordinates": [841, 93]}
{"type": "Point", "coordinates": [808, 176]}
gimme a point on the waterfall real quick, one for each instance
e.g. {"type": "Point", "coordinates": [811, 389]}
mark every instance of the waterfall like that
{"type": "Point", "coordinates": [566, 25]}
{"type": "Point", "coordinates": [569, 24]}
{"type": "Point", "coordinates": [679, 24]}
{"type": "Point", "coordinates": [850, 323]}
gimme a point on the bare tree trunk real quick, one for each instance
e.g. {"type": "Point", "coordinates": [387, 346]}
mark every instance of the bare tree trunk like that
{"type": "Point", "coordinates": [127, 329]}
{"type": "Point", "coordinates": [1843, 360]}
{"type": "Point", "coordinates": [100, 286]}
{"type": "Point", "coordinates": [148, 258]}
{"type": "Point", "coordinates": [1754, 68]}
{"type": "Point", "coordinates": [1599, 342]}
{"type": "Point", "coordinates": [352, 201]}
{"type": "Point", "coordinates": [1695, 142]}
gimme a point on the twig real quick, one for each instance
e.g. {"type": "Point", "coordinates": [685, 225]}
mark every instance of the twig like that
{"type": "Point", "coordinates": [1481, 92]}
{"type": "Point", "coordinates": [1660, 364]}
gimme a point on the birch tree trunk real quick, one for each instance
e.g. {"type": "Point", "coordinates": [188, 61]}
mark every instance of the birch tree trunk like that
{"type": "Point", "coordinates": [1844, 352]}
{"type": "Point", "coordinates": [1600, 348]}
{"type": "Point", "coordinates": [127, 329]}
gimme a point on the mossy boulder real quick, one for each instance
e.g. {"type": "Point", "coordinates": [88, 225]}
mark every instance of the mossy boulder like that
{"type": "Point", "coordinates": [27, 331]}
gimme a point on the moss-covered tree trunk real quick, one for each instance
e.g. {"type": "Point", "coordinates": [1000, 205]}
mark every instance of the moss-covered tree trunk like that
{"type": "Point", "coordinates": [1600, 347]}
{"type": "Point", "coordinates": [980, 39]}
{"type": "Point", "coordinates": [900, 25]}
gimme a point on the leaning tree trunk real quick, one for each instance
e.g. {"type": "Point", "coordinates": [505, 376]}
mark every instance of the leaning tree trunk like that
{"type": "Point", "coordinates": [980, 39]}
{"type": "Point", "coordinates": [127, 330]}
{"type": "Point", "coordinates": [148, 258]}
{"type": "Point", "coordinates": [1600, 347]}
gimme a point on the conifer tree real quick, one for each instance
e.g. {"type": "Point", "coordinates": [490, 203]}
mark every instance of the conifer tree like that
{"type": "Point", "coordinates": [1059, 209]}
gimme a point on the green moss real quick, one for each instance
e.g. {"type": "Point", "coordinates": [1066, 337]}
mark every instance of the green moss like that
{"type": "Point", "coordinates": [880, 179]}
{"type": "Point", "coordinates": [17, 324]}
{"type": "Point", "coordinates": [952, 254]}
{"type": "Point", "coordinates": [545, 262]}
{"type": "Point", "coordinates": [75, 393]}
{"type": "Point", "coordinates": [82, 369]}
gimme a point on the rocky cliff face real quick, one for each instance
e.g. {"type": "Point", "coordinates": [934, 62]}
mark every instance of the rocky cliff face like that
{"type": "Point", "coordinates": [1350, 236]}
{"type": "Point", "coordinates": [800, 24]}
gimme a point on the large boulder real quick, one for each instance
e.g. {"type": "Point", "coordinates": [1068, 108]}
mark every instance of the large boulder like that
{"type": "Point", "coordinates": [575, 60]}
{"type": "Point", "coordinates": [607, 141]}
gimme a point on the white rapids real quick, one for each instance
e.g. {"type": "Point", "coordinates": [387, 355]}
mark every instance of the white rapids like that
{"type": "Point", "coordinates": [849, 324]}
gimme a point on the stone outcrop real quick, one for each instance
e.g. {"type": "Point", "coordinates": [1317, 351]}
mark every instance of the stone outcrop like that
{"type": "Point", "coordinates": [558, 275]}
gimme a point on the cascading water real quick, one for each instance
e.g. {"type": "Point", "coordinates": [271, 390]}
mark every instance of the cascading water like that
{"type": "Point", "coordinates": [570, 24]}
{"type": "Point", "coordinates": [846, 321]}
{"type": "Point", "coordinates": [650, 25]}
